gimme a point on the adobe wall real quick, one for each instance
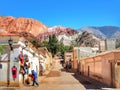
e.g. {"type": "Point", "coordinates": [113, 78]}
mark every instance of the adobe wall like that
{"type": "Point", "coordinates": [75, 60]}
{"type": "Point", "coordinates": [98, 67]}
{"type": "Point", "coordinates": [106, 68]}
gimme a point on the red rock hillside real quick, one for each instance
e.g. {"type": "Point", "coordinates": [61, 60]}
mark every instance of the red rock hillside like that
{"type": "Point", "coordinates": [11, 24]}
{"type": "Point", "coordinates": [56, 30]}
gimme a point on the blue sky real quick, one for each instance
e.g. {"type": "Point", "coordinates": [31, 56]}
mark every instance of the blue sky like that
{"type": "Point", "coordinates": [68, 13]}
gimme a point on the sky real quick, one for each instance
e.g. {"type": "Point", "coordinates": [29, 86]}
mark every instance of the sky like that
{"type": "Point", "coordinates": [69, 13]}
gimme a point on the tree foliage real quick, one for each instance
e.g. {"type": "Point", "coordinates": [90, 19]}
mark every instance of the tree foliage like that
{"type": "Point", "coordinates": [54, 46]}
{"type": "Point", "coordinates": [63, 48]}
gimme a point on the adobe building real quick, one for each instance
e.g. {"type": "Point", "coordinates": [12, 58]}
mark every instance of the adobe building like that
{"type": "Point", "coordinates": [47, 63]}
{"type": "Point", "coordinates": [80, 53]}
{"type": "Point", "coordinates": [102, 46]}
{"type": "Point", "coordinates": [104, 67]}
{"type": "Point", "coordinates": [68, 56]}
{"type": "Point", "coordinates": [110, 44]}
{"type": "Point", "coordinates": [7, 60]}
{"type": "Point", "coordinates": [16, 56]}
{"type": "Point", "coordinates": [107, 45]}
{"type": "Point", "coordinates": [75, 60]}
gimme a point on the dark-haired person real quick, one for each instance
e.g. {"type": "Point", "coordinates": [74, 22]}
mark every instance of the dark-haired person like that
{"type": "Point", "coordinates": [35, 76]}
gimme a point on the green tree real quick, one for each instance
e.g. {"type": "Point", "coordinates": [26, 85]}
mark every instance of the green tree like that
{"type": "Point", "coordinates": [64, 48]}
{"type": "Point", "coordinates": [54, 46]}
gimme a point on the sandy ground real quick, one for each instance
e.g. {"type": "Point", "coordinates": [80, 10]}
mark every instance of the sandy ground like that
{"type": "Point", "coordinates": [58, 79]}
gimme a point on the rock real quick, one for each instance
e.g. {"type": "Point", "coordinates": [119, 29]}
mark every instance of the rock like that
{"type": "Point", "coordinates": [56, 30]}
{"type": "Point", "coordinates": [11, 24]}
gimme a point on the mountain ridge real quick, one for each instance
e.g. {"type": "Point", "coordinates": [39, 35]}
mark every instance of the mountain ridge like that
{"type": "Point", "coordinates": [12, 24]}
{"type": "Point", "coordinates": [104, 31]}
{"type": "Point", "coordinates": [28, 27]}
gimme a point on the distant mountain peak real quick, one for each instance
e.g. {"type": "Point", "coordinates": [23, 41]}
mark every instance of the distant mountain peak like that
{"type": "Point", "coordinates": [102, 31]}
{"type": "Point", "coordinates": [94, 31]}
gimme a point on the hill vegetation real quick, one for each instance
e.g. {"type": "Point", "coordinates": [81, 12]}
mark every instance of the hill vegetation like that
{"type": "Point", "coordinates": [52, 45]}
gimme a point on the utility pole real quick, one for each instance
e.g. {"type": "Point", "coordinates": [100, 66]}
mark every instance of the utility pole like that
{"type": "Point", "coordinates": [8, 69]}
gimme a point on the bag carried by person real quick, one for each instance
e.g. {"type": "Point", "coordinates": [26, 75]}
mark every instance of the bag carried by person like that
{"type": "Point", "coordinates": [27, 81]}
{"type": "Point", "coordinates": [32, 77]}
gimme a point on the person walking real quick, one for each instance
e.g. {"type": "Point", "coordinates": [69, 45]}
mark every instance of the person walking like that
{"type": "Point", "coordinates": [34, 78]}
{"type": "Point", "coordinates": [67, 66]}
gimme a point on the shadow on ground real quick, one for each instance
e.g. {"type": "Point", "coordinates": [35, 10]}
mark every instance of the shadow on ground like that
{"type": "Point", "coordinates": [90, 83]}
{"type": "Point", "coordinates": [87, 82]}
